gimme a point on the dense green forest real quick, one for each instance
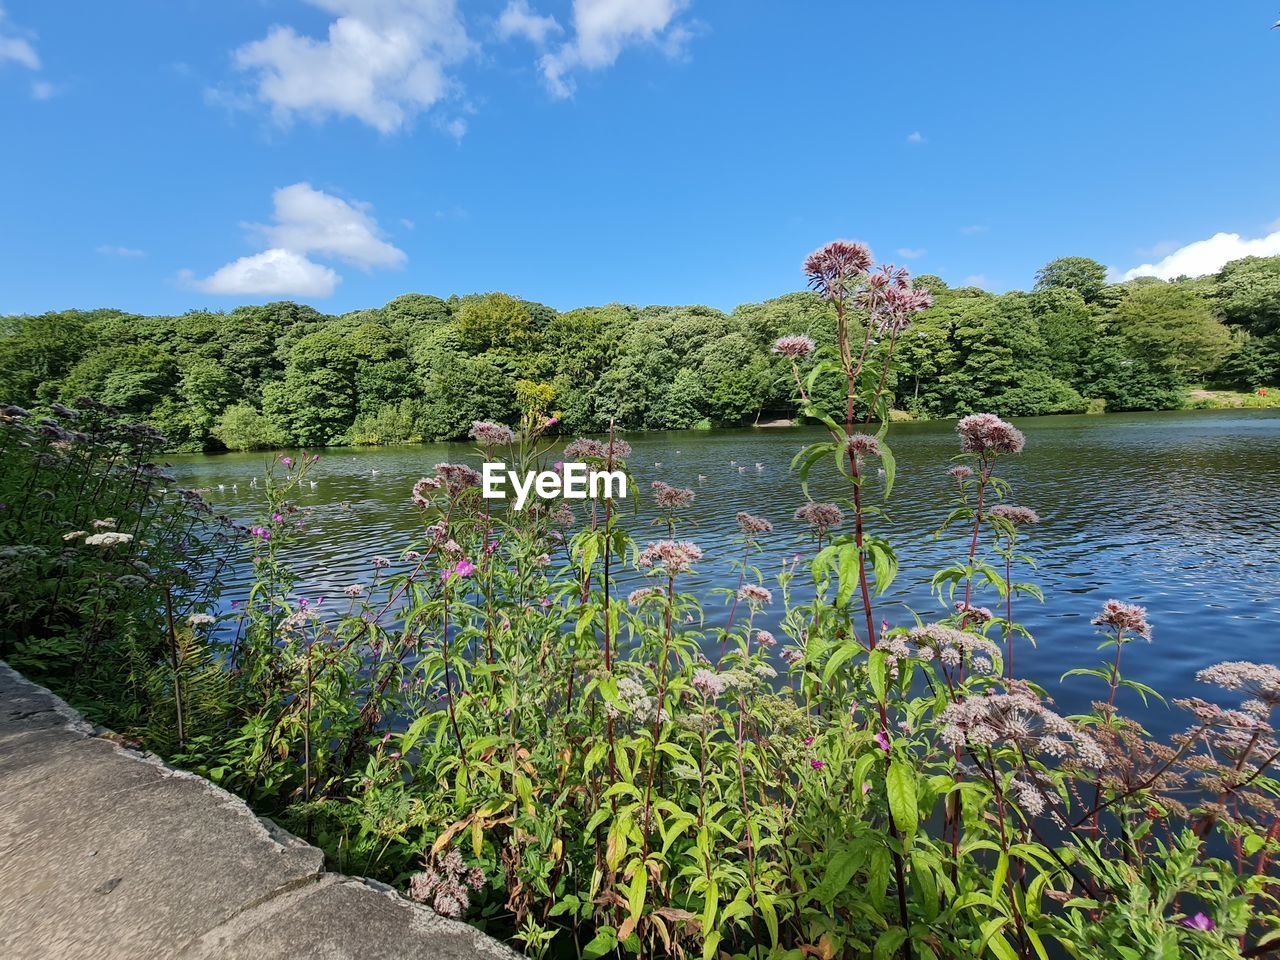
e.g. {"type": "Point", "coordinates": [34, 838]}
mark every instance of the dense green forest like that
{"type": "Point", "coordinates": [422, 368]}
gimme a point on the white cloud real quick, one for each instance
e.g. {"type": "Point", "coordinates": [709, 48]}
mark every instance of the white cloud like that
{"type": "Point", "coordinates": [274, 273]}
{"type": "Point", "coordinates": [907, 253]}
{"type": "Point", "coordinates": [306, 221]}
{"type": "Point", "coordinates": [604, 28]}
{"type": "Point", "coordinates": [973, 229]}
{"type": "Point", "coordinates": [1161, 249]}
{"type": "Point", "coordinates": [518, 20]}
{"type": "Point", "coordinates": [976, 280]}
{"type": "Point", "coordinates": [43, 90]}
{"type": "Point", "coordinates": [382, 62]}
{"type": "Point", "coordinates": [108, 250]}
{"type": "Point", "coordinates": [1205, 256]}
{"type": "Point", "coordinates": [915, 137]}
{"type": "Point", "coordinates": [15, 44]}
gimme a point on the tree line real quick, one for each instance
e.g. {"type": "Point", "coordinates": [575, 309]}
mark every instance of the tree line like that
{"type": "Point", "coordinates": [423, 368]}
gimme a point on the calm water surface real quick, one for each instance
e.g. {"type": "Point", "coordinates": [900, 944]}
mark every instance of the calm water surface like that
{"type": "Point", "coordinates": [1177, 511]}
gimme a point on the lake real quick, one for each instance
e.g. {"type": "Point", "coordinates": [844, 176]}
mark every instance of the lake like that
{"type": "Point", "coordinates": [1177, 511]}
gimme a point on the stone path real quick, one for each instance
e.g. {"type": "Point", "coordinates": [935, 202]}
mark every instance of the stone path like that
{"type": "Point", "coordinates": [106, 853]}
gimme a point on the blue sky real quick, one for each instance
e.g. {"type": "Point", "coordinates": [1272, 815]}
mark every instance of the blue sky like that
{"type": "Point", "coordinates": [164, 155]}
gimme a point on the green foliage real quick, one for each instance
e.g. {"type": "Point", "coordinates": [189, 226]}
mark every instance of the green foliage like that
{"type": "Point", "coordinates": [1078, 274]}
{"type": "Point", "coordinates": [241, 427]}
{"type": "Point", "coordinates": [387, 375]}
{"type": "Point", "coordinates": [1173, 329]}
{"type": "Point", "coordinates": [486, 720]}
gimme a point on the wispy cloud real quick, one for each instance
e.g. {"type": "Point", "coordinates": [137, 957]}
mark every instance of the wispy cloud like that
{"type": "Point", "coordinates": [976, 280]}
{"type": "Point", "coordinates": [17, 45]}
{"type": "Point", "coordinates": [915, 136]}
{"type": "Point", "coordinates": [517, 20]}
{"type": "Point", "coordinates": [1161, 249]}
{"type": "Point", "coordinates": [602, 29]}
{"type": "Point", "coordinates": [307, 222]}
{"type": "Point", "coordinates": [908, 253]}
{"type": "Point", "coordinates": [974, 228]}
{"type": "Point", "coordinates": [108, 250]}
{"type": "Point", "coordinates": [1204, 256]}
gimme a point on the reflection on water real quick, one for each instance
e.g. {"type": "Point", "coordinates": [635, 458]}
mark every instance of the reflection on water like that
{"type": "Point", "coordinates": [1177, 511]}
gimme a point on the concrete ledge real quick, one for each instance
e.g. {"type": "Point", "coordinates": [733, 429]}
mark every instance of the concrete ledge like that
{"type": "Point", "coordinates": [107, 853]}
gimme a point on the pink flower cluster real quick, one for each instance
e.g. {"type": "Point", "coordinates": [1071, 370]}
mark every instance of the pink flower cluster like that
{"type": "Point", "coordinates": [1018, 516]}
{"type": "Point", "coordinates": [448, 886]}
{"type": "Point", "coordinates": [669, 497]}
{"type": "Point", "coordinates": [795, 346]}
{"type": "Point", "coordinates": [834, 269]}
{"type": "Point", "coordinates": [1124, 618]}
{"type": "Point", "coordinates": [674, 556]}
{"type": "Point", "coordinates": [821, 516]}
{"type": "Point", "coordinates": [492, 434]}
{"type": "Point", "coordinates": [751, 525]}
{"type": "Point", "coordinates": [585, 449]}
{"type": "Point", "coordinates": [985, 433]}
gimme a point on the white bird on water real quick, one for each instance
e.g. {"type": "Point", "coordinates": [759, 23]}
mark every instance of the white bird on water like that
{"type": "Point", "coordinates": [701, 478]}
{"type": "Point", "coordinates": [759, 466]}
{"type": "Point", "coordinates": [742, 469]}
{"type": "Point", "coordinates": [656, 464]}
{"type": "Point", "coordinates": [313, 484]}
{"type": "Point", "coordinates": [222, 487]}
{"type": "Point", "coordinates": [376, 472]}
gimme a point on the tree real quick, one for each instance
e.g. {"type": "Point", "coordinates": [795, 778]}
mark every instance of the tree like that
{"type": "Point", "coordinates": [1248, 294]}
{"type": "Point", "coordinates": [38, 352]}
{"type": "Point", "coordinates": [495, 320]}
{"type": "Point", "coordinates": [1173, 329]}
{"type": "Point", "coordinates": [315, 402]}
{"type": "Point", "coordinates": [1068, 329]}
{"type": "Point", "coordinates": [1086, 277]}
{"type": "Point", "coordinates": [242, 427]}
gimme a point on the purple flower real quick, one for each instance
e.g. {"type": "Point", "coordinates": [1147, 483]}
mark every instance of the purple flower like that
{"type": "Point", "coordinates": [882, 740]}
{"type": "Point", "coordinates": [492, 434]}
{"type": "Point", "coordinates": [821, 516]}
{"type": "Point", "coordinates": [796, 346]}
{"type": "Point", "coordinates": [1124, 618]}
{"type": "Point", "coordinates": [817, 764]}
{"type": "Point", "coordinates": [986, 433]}
{"type": "Point", "coordinates": [465, 568]}
{"type": "Point", "coordinates": [833, 269]}
{"type": "Point", "coordinates": [808, 741]}
{"type": "Point", "coordinates": [1198, 922]}
{"type": "Point", "coordinates": [287, 461]}
{"type": "Point", "coordinates": [277, 518]}
{"type": "Point", "coordinates": [262, 533]}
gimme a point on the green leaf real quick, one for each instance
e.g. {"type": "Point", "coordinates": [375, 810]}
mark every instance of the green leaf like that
{"type": "Point", "coordinates": [890, 467]}
{"type": "Point", "coordinates": [848, 574]}
{"type": "Point", "coordinates": [604, 942]}
{"type": "Point", "coordinates": [901, 783]}
{"type": "Point", "coordinates": [636, 892]}
{"type": "Point", "coordinates": [839, 871]}
{"type": "Point", "coordinates": [837, 660]}
{"type": "Point", "coordinates": [888, 943]}
{"type": "Point", "coordinates": [877, 673]}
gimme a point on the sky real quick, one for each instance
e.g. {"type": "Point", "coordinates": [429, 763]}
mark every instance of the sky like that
{"type": "Point", "coordinates": [167, 155]}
